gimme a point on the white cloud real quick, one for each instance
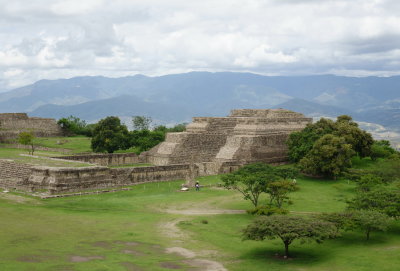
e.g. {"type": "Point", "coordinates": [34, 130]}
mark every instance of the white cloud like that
{"type": "Point", "coordinates": [65, 38]}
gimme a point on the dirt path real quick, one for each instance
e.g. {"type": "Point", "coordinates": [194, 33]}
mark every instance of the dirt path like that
{"type": "Point", "coordinates": [18, 199]}
{"type": "Point", "coordinates": [194, 259]}
{"type": "Point", "coordinates": [203, 211]}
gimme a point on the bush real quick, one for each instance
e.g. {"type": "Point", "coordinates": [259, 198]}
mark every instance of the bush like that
{"type": "Point", "coordinates": [267, 210]}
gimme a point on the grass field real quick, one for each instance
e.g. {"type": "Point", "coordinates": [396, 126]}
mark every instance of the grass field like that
{"type": "Point", "coordinates": [133, 230]}
{"type": "Point", "coordinates": [76, 144]}
{"type": "Point", "coordinates": [40, 158]}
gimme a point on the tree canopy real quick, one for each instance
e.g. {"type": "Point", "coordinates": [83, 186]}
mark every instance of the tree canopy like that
{"type": "Point", "coordinates": [254, 179]}
{"type": "Point", "coordinates": [326, 147]}
{"type": "Point", "coordinates": [382, 199]}
{"type": "Point", "coordinates": [110, 135]}
{"type": "Point", "coordinates": [75, 126]}
{"type": "Point", "coordinates": [369, 221]}
{"type": "Point", "coordinates": [330, 156]}
{"type": "Point", "coordinates": [288, 229]}
{"type": "Point", "coordinates": [27, 138]}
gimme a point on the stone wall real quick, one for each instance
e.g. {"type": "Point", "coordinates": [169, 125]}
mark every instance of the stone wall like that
{"type": "Point", "coordinates": [13, 175]}
{"type": "Point", "coordinates": [106, 159]}
{"type": "Point", "coordinates": [61, 180]}
{"type": "Point", "coordinates": [11, 124]}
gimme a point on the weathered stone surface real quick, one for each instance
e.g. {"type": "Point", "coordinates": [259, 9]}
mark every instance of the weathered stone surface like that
{"type": "Point", "coordinates": [11, 124]}
{"type": "Point", "coordinates": [246, 136]}
{"type": "Point", "coordinates": [106, 159]}
{"type": "Point", "coordinates": [209, 146]}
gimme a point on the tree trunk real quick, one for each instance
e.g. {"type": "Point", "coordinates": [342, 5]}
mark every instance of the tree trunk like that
{"type": "Point", "coordinates": [286, 248]}
{"type": "Point", "coordinates": [367, 232]}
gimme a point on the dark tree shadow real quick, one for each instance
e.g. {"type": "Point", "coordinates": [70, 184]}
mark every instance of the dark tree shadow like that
{"type": "Point", "coordinates": [297, 255]}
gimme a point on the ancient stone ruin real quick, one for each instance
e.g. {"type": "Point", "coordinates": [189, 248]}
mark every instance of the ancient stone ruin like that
{"type": "Point", "coordinates": [209, 146]}
{"type": "Point", "coordinates": [11, 124]}
{"type": "Point", "coordinates": [246, 136]}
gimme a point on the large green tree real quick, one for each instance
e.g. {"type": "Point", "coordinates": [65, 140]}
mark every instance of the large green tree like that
{"type": "Point", "coordinates": [383, 199]}
{"type": "Point", "coordinates": [110, 135]}
{"type": "Point", "coordinates": [368, 221]}
{"type": "Point", "coordinates": [330, 156]}
{"type": "Point", "coordinates": [251, 180]}
{"type": "Point", "coordinates": [302, 142]}
{"type": "Point", "coordinates": [288, 229]}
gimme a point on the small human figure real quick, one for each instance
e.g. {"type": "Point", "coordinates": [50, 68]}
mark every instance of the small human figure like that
{"type": "Point", "coordinates": [197, 186]}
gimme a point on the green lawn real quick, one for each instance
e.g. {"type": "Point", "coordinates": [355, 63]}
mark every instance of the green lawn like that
{"type": "Point", "coordinates": [76, 144]}
{"type": "Point", "coordinates": [41, 160]}
{"type": "Point", "coordinates": [130, 230]}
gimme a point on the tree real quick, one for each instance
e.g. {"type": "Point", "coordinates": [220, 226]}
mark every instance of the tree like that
{"type": "Point", "coordinates": [382, 199]}
{"type": "Point", "coordinates": [278, 191]}
{"type": "Point", "coordinates": [110, 135]}
{"type": "Point", "coordinates": [288, 229]}
{"type": "Point", "coordinates": [341, 220]}
{"type": "Point", "coordinates": [141, 122]}
{"type": "Point", "coordinates": [145, 139]}
{"type": "Point", "coordinates": [368, 221]}
{"type": "Point", "coordinates": [360, 140]}
{"type": "Point", "coordinates": [250, 180]}
{"type": "Point", "coordinates": [330, 156]}
{"type": "Point", "coordinates": [74, 126]}
{"type": "Point", "coordinates": [27, 138]}
{"type": "Point", "coordinates": [300, 143]}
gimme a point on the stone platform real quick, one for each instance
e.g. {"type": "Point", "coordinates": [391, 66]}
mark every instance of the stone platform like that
{"type": "Point", "coordinates": [245, 136]}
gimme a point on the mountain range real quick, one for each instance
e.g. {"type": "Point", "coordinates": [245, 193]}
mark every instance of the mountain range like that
{"type": "Point", "coordinates": [176, 98]}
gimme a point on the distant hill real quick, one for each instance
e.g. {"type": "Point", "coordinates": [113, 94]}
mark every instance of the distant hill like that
{"type": "Point", "coordinates": [177, 97]}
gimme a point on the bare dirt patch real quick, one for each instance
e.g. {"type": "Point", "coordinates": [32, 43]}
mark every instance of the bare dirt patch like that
{"type": "Point", "coordinates": [171, 230]}
{"type": "Point", "coordinates": [18, 199]}
{"type": "Point", "coordinates": [80, 259]}
{"type": "Point", "coordinates": [191, 260]}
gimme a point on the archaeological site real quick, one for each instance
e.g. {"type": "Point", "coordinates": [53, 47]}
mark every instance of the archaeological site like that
{"type": "Point", "coordinates": [210, 145]}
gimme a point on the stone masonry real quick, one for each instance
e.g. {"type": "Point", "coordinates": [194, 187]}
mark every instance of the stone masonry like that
{"type": "Point", "coordinates": [209, 146]}
{"type": "Point", "coordinates": [11, 124]}
{"type": "Point", "coordinates": [246, 136]}
{"type": "Point", "coordinates": [12, 174]}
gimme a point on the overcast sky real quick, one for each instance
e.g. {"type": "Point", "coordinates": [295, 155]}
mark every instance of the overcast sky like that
{"type": "Point", "coordinates": [50, 39]}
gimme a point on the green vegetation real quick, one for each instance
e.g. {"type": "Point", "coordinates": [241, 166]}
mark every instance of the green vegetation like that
{"type": "Point", "coordinates": [75, 144]}
{"type": "Point", "coordinates": [255, 179]}
{"type": "Point", "coordinates": [41, 158]}
{"type": "Point", "coordinates": [75, 126]}
{"type": "Point", "coordinates": [109, 135]}
{"type": "Point", "coordinates": [27, 138]}
{"type": "Point", "coordinates": [288, 229]}
{"type": "Point", "coordinates": [326, 147]}
{"type": "Point", "coordinates": [134, 227]}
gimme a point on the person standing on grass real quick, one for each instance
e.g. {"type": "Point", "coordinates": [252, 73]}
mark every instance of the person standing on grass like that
{"type": "Point", "coordinates": [197, 186]}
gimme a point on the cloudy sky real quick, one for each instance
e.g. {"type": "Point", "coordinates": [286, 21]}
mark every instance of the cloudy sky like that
{"type": "Point", "coordinates": [50, 39]}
